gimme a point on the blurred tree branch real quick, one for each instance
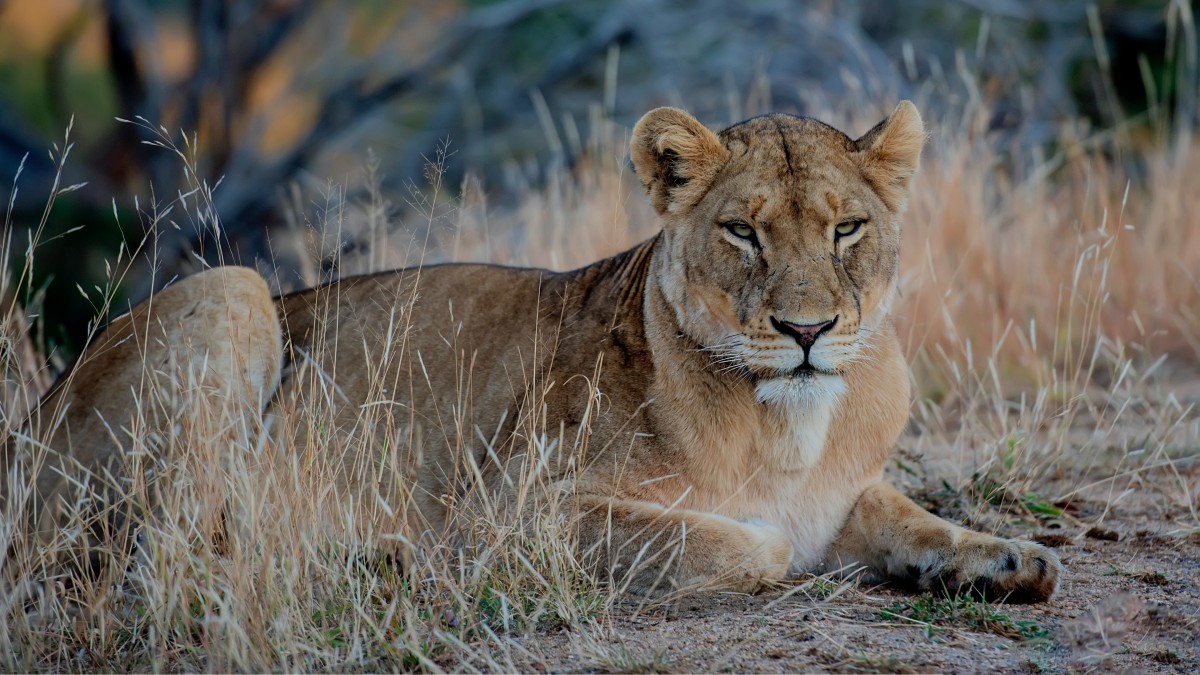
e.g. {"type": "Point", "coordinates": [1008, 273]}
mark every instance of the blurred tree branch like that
{"type": "Point", "coordinates": [234, 39]}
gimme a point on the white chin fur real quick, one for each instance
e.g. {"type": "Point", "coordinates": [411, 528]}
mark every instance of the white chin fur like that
{"type": "Point", "coordinates": [801, 392]}
{"type": "Point", "coordinates": [808, 404]}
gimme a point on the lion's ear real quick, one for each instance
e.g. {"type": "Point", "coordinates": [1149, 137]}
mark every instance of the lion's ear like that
{"type": "Point", "coordinates": [675, 157]}
{"type": "Point", "coordinates": [891, 152]}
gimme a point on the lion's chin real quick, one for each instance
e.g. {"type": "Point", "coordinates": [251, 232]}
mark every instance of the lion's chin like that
{"type": "Point", "coordinates": [804, 387]}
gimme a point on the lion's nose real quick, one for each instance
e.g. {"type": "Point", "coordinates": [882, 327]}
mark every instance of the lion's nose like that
{"type": "Point", "coordinates": [805, 334]}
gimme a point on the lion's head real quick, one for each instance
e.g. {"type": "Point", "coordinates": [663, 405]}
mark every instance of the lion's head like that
{"type": "Point", "coordinates": [781, 238]}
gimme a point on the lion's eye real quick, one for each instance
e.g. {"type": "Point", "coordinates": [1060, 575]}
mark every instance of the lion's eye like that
{"type": "Point", "coordinates": [742, 231]}
{"type": "Point", "coordinates": [847, 228]}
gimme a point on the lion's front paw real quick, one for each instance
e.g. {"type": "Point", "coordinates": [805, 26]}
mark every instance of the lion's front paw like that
{"type": "Point", "coordinates": [765, 558]}
{"type": "Point", "coordinates": [772, 552]}
{"type": "Point", "coordinates": [997, 569]}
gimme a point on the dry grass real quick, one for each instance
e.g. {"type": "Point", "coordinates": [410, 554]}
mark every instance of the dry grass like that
{"type": "Point", "coordinates": [1042, 315]}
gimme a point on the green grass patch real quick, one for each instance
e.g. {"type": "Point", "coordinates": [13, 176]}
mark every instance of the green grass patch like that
{"type": "Point", "coordinates": [935, 615]}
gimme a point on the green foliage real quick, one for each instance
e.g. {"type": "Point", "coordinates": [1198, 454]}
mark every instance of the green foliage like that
{"type": "Point", "coordinates": [988, 489]}
{"type": "Point", "coordinates": [935, 614]}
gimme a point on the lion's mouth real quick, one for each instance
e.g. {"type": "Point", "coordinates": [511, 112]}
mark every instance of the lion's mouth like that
{"type": "Point", "coordinates": [806, 371]}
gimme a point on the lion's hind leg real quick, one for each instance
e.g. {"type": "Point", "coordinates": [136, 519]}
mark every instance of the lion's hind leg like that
{"type": "Point", "coordinates": [206, 346]}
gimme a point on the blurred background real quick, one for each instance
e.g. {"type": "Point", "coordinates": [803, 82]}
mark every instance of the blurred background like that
{"type": "Point", "coordinates": [168, 134]}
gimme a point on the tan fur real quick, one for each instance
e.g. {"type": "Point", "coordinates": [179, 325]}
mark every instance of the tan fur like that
{"type": "Point", "coordinates": [213, 339]}
{"type": "Point", "coordinates": [697, 442]}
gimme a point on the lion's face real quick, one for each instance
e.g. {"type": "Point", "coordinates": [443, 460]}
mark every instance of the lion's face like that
{"type": "Point", "coordinates": [782, 237]}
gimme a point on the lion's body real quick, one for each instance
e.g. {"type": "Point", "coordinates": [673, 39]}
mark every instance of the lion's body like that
{"type": "Point", "coordinates": [685, 433]}
{"type": "Point", "coordinates": [733, 383]}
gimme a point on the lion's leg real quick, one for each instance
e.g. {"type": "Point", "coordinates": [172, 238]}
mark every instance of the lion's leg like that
{"type": "Point", "coordinates": [209, 341]}
{"type": "Point", "coordinates": [648, 547]}
{"type": "Point", "coordinates": [897, 539]}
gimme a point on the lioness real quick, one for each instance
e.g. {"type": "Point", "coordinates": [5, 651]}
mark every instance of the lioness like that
{"type": "Point", "coordinates": [737, 376]}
